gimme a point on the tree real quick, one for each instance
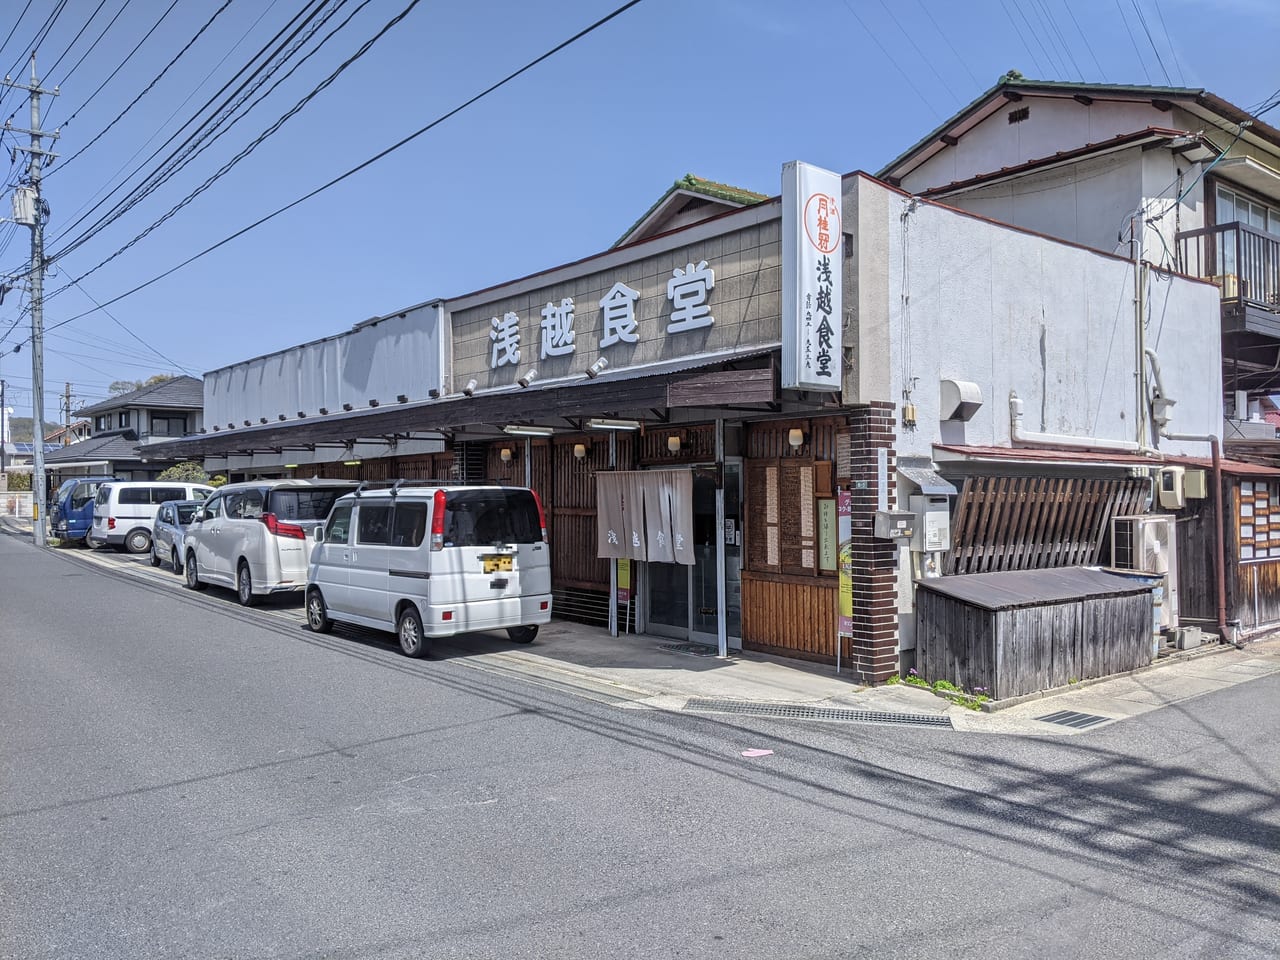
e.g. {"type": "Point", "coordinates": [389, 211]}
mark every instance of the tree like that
{"type": "Point", "coordinates": [187, 472]}
{"type": "Point", "coordinates": [128, 386]}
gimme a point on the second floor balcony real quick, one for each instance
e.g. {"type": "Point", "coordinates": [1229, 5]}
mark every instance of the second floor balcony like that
{"type": "Point", "coordinates": [1244, 262]}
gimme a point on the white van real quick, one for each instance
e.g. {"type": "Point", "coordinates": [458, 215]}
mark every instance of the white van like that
{"type": "Point", "coordinates": [124, 510]}
{"type": "Point", "coordinates": [431, 561]}
{"type": "Point", "coordinates": [257, 536]}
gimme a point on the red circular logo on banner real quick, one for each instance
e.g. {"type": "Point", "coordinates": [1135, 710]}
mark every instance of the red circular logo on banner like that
{"type": "Point", "coordinates": [822, 222]}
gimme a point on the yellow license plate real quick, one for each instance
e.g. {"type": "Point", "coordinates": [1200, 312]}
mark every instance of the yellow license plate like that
{"type": "Point", "coordinates": [494, 563]}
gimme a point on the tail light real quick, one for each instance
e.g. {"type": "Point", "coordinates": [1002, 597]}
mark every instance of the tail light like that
{"type": "Point", "coordinates": [542, 516]}
{"type": "Point", "coordinates": [111, 523]}
{"type": "Point", "coordinates": [290, 530]}
{"type": "Point", "coordinates": [437, 521]}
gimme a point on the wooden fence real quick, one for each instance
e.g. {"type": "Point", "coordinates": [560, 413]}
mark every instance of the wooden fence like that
{"type": "Point", "coordinates": [1027, 523]}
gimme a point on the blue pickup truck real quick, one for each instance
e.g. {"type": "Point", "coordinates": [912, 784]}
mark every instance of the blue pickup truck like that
{"type": "Point", "coordinates": [71, 512]}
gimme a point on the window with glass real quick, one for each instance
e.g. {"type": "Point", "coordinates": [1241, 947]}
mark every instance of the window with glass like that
{"type": "Point", "coordinates": [124, 419]}
{"type": "Point", "coordinates": [338, 529]}
{"type": "Point", "coordinates": [374, 523]}
{"type": "Point", "coordinates": [167, 425]}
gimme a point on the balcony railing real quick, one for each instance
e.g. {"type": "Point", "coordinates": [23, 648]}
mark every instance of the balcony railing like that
{"type": "Point", "coordinates": [1242, 261]}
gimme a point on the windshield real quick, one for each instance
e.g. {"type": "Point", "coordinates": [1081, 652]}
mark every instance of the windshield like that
{"type": "Point", "coordinates": [303, 503]}
{"type": "Point", "coordinates": [480, 518]}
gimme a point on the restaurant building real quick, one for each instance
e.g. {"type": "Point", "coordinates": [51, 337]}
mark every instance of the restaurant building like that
{"type": "Point", "coordinates": [728, 419]}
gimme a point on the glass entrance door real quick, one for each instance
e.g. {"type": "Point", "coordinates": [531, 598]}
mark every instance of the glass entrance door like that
{"type": "Point", "coordinates": [683, 600]}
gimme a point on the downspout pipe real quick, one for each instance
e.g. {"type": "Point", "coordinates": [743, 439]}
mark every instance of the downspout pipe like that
{"type": "Point", "coordinates": [1023, 437]}
{"type": "Point", "coordinates": [1220, 527]}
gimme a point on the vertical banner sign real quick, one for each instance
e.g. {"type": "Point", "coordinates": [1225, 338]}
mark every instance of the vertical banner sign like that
{"type": "Point", "coordinates": [624, 580]}
{"type": "Point", "coordinates": [844, 511]}
{"type": "Point", "coordinates": [812, 318]}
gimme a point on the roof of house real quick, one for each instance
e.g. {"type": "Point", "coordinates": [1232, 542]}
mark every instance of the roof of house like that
{"type": "Point", "coordinates": [111, 445]}
{"type": "Point", "coordinates": [176, 392]}
{"type": "Point", "coordinates": [1013, 86]}
{"type": "Point", "coordinates": [689, 186]}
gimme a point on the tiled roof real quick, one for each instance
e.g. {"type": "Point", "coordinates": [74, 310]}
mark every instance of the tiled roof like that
{"type": "Point", "coordinates": [1014, 84]}
{"type": "Point", "coordinates": [112, 445]}
{"type": "Point", "coordinates": [707, 188]}
{"type": "Point", "coordinates": [184, 393]}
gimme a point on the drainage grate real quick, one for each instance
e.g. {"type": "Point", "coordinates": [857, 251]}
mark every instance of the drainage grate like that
{"type": "Point", "coordinates": [694, 649]}
{"type": "Point", "coordinates": [792, 711]}
{"type": "Point", "coordinates": [1073, 719]}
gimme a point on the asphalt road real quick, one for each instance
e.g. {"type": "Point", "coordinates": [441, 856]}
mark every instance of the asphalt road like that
{"type": "Point", "coordinates": [183, 778]}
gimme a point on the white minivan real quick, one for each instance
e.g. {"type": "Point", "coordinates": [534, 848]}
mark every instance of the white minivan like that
{"type": "Point", "coordinates": [256, 536]}
{"type": "Point", "coordinates": [124, 510]}
{"type": "Point", "coordinates": [431, 561]}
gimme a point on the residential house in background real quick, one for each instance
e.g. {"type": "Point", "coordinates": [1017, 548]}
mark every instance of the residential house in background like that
{"type": "Point", "coordinates": [1173, 175]}
{"type": "Point", "coordinates": [121, 427]}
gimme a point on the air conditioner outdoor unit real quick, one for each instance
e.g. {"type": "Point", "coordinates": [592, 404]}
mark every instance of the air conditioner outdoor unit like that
{"type": "Point", "coordinates": [1148, 544]}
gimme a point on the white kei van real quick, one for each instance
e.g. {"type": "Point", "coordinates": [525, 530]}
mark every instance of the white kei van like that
{"type": "Point", "coordinates": [432, 561]}
{"type": "Point", "coordinates": [124, 510]}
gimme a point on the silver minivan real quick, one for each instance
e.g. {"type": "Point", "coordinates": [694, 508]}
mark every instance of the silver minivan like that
{"type": "Point", "coordinates": [256, 536]}
{"type": "Point", "coordinates": [432, 561]}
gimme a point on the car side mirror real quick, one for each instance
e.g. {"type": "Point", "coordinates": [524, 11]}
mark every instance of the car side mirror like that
{"type": "Point", "coordinates": [197, 517]}
{"type": "Point", "coordinates": [319, 534]}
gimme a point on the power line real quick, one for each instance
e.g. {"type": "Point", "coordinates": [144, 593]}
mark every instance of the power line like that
{"type": "Point", "coordinates": [76, 38]}
{"type": "Point", "coordinates": [361, 166]}
{"type": "Point", "coordinates": [145, 90]}
{"type": "Point", "coordinates": [1050, 57]}
{"type": "Point", "coordinates": [947, 40]}
{"type": "Point", "coordinates": [1133, 40]}
{"type": "Point", "coordinates": [1156, 50]}
{"type": "Point", "coordinates": [93, 46]}
{"type": "Point", "coordinates": [928, 61]}
{"type": "Point", "coordinates": [1056, 31]}
{"type": "Point", "coordinates": [34, 45]}
{"type": "Point", "coordinates": [202, 131]}
{"type": "Point", "coordinates": [119, 323]}
{"type": "Point", "coordinates": [1182, 79]}
{"type": "Point", "coordinates": [1088, 46]}
{"type": "Point", "coordinates": [254, 144]}
{"type": "Point", "coordinates": [14, 28]}
{"type": "Point", "coordinates": [905, 76]}
{"type": "Point", "coordinates": [1022, 38]}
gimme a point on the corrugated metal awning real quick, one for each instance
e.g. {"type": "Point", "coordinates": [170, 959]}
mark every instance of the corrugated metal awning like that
{"type": "Point", "coordinates": [922, 473]}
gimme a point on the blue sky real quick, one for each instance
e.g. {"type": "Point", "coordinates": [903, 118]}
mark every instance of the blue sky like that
{"type": "Point", "coordinates": [551, 168]}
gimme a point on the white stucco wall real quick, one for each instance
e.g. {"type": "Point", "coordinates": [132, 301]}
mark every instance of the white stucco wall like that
{"type": "Point", "coordinates": [1054, 125]}
{"type": "Point", "coordinates": [1011, 311]}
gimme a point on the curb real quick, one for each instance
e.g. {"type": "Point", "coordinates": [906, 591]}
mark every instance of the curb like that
{"type": "Point", "coordinates": [1208, 650]}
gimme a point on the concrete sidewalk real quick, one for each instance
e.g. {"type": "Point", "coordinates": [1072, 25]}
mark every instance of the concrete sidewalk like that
{"type": "Point", "coordinates": [647, 672]}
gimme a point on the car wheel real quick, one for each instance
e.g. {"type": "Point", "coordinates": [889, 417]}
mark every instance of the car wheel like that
{"type": "Point", "coordinates": [523, 634]}
{"type": "Point", "coordinates": [244, 586]}
{"type": "Point", "coordinates": [317, 614]}
{"type": "Point", "coordinates": [174, 561]}
{"type": "Point", "coordinates": [193, 573]}
{"type": "Point", "coordinates": [155, 557]}
{"type": "Point", "coordinates": [138, 541]}
{"type": "Point", "coordinates": [413, 641]}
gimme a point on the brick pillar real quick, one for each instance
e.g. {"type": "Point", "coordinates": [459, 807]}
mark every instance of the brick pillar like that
{"type": "Point", "coordinates": [873, 651]}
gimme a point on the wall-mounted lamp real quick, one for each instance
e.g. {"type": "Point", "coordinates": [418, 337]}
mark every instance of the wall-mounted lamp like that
{"type": "Point", "coordinates": [470, 388]}
{"type": "Point", "coordinates": [291, 466]}
{"type": "Point", "coordinates": [231, 426]}
{"type": "Point", "coordinates": [216, 427]}
{"type": "Point", "coordinates": [795, 437]}
{"type": "Point", "coordinates": [247, 423]}
{"type": "Point", "coordinates": [579, 450]}
{"type": "Point", "coordinates": [673, 443]}
{"type": "Point", "coordinates": [324, 411]}
{"type": "Point", "coordinates": [281, 416]}
{"type": "Point", "coordinates": [528, 378]}
{"type": "Point", "coordinates": [262, 419]}
{"type": "Point", "coordinates": [597, 368]}
{"type": "Point", "coordinates": [404, 397]}
{"type": "Point", "coordinates": [346, 406]}
{"type": "Point", "coordinates": [433, 393]}
{"type": "Point", "coordinates": [505, 454]}
{"type": "Point", "coordinates": [301, 414]}
{"type": "Point", "coordinates": [351, 463]}
{"type": "Point", "coordinates": [373, 403]}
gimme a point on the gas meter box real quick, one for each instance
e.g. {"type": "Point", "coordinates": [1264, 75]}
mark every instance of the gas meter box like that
{"type": "Point", "coordinates": [894, 525]}
{"type": "Point", "coordinates": [933, 524]}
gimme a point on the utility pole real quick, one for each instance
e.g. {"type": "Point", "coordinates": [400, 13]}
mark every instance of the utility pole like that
{"type": "Point", "coordinates": [4, 423]}
{"type": "Point", "coordinates": [66, 420]}
{"type": "Point", "coordinates": [29, 208]}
